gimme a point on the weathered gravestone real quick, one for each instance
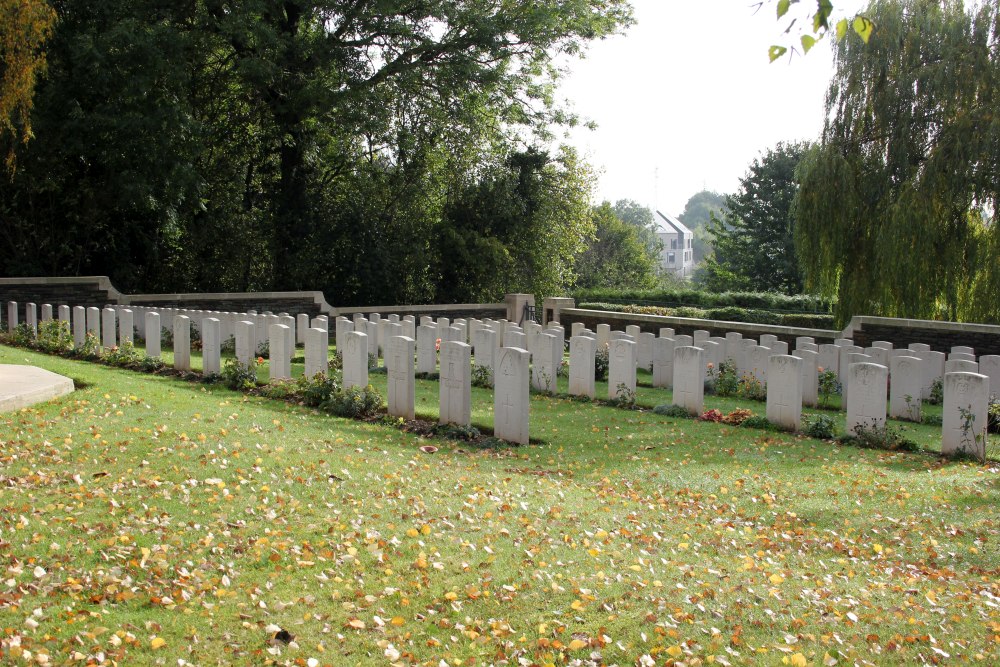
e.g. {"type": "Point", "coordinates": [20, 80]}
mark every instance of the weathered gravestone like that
{"type": "Point", "coordinates": [182, 342]}
{"type": "Point", "coordinates": [246, 341]}
{"type": "Point", "coordinates": [211, 344]}
{"type": "Point", "coordinates": [960, 366]}
{"type": "Point", "coordinates": [689, 378]}
{"type": "Point", "coordinates": [108, 329]}
{"type": "Point", "coordinates": [355, 360]}
{"type": "Point", "coordinates": [399, 368]}
{"type": "Point", "coordinates": [644, 351]}
{"type": "Point", "coordinates": [582, 351]}
{"type": "Point", "coordinates": [784, 391]}
{"type": "Point", "coordinates": [810, 376]}
{"type": "Point", "coordinates": [545, 362]}
{"type": "Point", "coordinates": [621, 369]}
{"type": "Point", "coordinates": [455, 390]}
{"type": "Point", "coordinates": [485, 348]}
{"type": "Point", "coordinates": [866, 399]}
{"type": "Point", "coordinates": [279, 364]}
{"type": "Point", "coordinates": [426, 349]}
{"type": "Point", "coordinates": [663, 362]}
{"type": "Point", "coordinates": [511, 395]}
{"type": "Point", "coordinates": [317, 344]}
{"type": "Point", "coordinates": [79, 326]}
{"type": "Point", "coordinates": [603, 335]}
{"type": "Point", "coordinates": [906, 377]}
{"type": "Point", "coordinates": [965, 416]}
{"type": "Point", "coordinates": [154, 334]}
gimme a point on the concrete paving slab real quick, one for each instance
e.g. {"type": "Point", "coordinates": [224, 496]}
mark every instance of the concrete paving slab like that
{"type": "Point", "coordinates": [22, 386]}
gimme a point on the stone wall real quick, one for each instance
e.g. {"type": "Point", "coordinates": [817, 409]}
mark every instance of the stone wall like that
{"type": "Point", "coordinates": [85, 291]}
{"type": "Point", "coordinates": [687, 325]}
{"type": "Point", "coordinates": [941, 336]}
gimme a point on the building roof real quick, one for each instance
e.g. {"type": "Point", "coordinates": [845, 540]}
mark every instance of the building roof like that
{"type": "Point", "coordinates": [668, 224]}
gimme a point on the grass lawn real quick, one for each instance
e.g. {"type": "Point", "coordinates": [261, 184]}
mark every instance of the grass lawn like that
{"type": "Point", "coordinates": [149, 520]}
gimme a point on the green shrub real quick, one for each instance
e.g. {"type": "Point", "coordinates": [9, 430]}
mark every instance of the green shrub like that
{"type": "Point", "coordinates": [725, 380]}
{"type": "Point", "coordinates": [808, 321]}
{"type": "Point", "coordinates": [123, 356]}
{"type": "Point", "coordinates": [355, 403]}
{"type": "Point", "coordinates": [937, 392]}
{"type": "Point", "coordinates": [148, 364]}
{"type": "Point", "coordinates": [690, 297]}
{"type": "Point", "coordinates": [317, 389]}
{"type": "Point", "coordinates": [758, 421]}
{"type": "Point", "coordinates": [238, 376]}
{"type": "Point", "coordinates": [871, 436]}
{"type": "Point", "coordinates": [482, 376]}
{"type": "Point", "coordinates": [602, 362]}
{"type": "Point", "coordinates": [994, 414]}
{"type": "Point", "coordinates": [737, 314]}
{"type": "Point", "coordinates": [820, 426]}
{"type": "Point", "coordinates": [90, 349]}
{"type": "Point", "coordinates": [457, 432]}
{"type": "Point", "coordinates": [624, 397]}
{"type": "Point", "coordinates": [671, 411]}
{"type": "Point", "coordinates": [22, 336]}
{"type": "Point", "coordinates": [750, 388]}
{"type": "Point", "coordinates": [931, 420]}
{"type": "Point", "coordinates": [828, 386]}
{"type": "Point", "coordinates": [54, 337]}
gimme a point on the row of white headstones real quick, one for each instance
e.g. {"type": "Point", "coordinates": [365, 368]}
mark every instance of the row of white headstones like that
{"type": "Point", "coordinates": [530, 356]}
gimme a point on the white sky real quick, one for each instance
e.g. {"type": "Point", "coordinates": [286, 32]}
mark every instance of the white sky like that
{"type": "Point", "coordinates": [689, 92]}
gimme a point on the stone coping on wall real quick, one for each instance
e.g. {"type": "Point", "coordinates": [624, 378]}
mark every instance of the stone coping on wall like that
{"type": "Point", "coordinates": [422, 309]}
{"type": "Point", "coordinates": [858, 321]}
{"type": "Point", "coordinates": [695, 323]}
{"type": "Point", "coordinates": [152, 299]}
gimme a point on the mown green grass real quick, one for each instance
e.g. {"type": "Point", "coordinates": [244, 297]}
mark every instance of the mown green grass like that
{"type": "Point", "coordinates": [631, 533]}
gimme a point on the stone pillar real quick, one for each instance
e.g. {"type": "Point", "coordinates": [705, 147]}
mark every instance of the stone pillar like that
{"type": "Point", "coordinates": [182, 342]}
{"type": "Point", "coordinates": [399, 368]}
{"type": "Point", "coordinates": [153, 334]}
{"type": "Point", "coordinates": [784, 391]}
{"type": "Point", "coordinates": [211, 346]}
{"type": "Point", "coordinates": [964, 420]}
{"type": "Point", "coordinates": [582, 351]}
{"type": "Point", "coordinates": [689, 378]}
{"type": "Point", "coordinates": [356, 360]}
{"type": "Point", "coordinates": [455, 387]}
{"type": "Point", "coordinates": [511, 396]}
{"type": "Point", "coordinates": [515, 306]}
{"type": "Point", "coordinates": [552, 307]}
{"type": "Point", "coordinates": [621, 367]}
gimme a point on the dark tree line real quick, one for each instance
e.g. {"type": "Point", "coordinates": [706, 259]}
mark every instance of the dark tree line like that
{"type": "Point", "coordinates": [379, 151]}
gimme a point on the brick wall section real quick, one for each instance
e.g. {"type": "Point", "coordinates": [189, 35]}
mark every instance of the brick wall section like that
{"type": "Point", "coordinates": [91, 291]}
{"type": "Point", "coordinates": [941, 336]}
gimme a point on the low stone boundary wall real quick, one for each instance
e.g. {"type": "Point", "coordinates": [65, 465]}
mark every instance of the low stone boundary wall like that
{"type": "Point", "coordinates": [688, 325]}
{"type": "Point", "coordinates": [941, 336]}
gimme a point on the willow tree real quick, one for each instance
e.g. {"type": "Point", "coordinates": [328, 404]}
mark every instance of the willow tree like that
{"type": "Point", "coordinates": [896, 213]}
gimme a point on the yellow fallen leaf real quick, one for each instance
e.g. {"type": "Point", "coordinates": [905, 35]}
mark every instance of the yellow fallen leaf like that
{"type": "Point", "coordinates": [158, 642]}
{"type": "Point", "coordinates": [356, 623]}
{"type": "Point", "coordinates": [577, 644]}
{"type": "Point", "coordinates": [675, 651]}
{"type": "Point", "coordinates": [799, 660]}
{"type": "Point", "coordinates": [776, 578]}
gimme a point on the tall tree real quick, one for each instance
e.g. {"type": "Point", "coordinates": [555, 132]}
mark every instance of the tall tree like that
{"type": "Point", "coordinates": [754, 238]}
{"type": "Point", "coordinates": [633, 213]}
{"type": "Point", "coordinates": [897, 210]}
{"type": "Point", "coordinates": [616, 257]}
{"type": "Point", "coordinates": [697, 215]}
{"type": "Point", "coordinates": [24, 27]}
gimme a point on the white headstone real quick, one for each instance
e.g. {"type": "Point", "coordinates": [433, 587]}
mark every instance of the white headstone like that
{"type": "Point", "coordinates": [515, 339]}
{"type": "Point", "coordinates": [621, 368]}
{"type": "Point", "coordinates": [700, 336]}
{"type": "Point", "coordinates": [372, 330]}
{"type": "Point", "coordinates": [800, 340]}
{"type": "Point", "coordinates": [79, 325]}
{"type": "Point", "coordinates": [64, 314]}
{"type": "Point", "coordinates": [399, 368]}
{"type": "Point", "coordinates": [684, 341]}
{"type": "Point", "coordinates": [689, 378]}
{"type": "Point", "coordinates": [644, 351]}
{"type": "Point", "coordinates": [31, 317]}
{"type": "Point", "coordinates": [784, 391]}
{"type": "Point", "coordinates": [884, 344]}
{"type": "Point", "coordinates": [317, 347]}
{"type": "Point", "coordinates": [211, 341]}
{"type": "Point", "coordinates": [844, 351]}
{"type": "Point", "coordinates": [46, 312]}
{"type": "Point", "coordinates": [666, 332]}
{"type": "Point", "coordinates": [279, 338]}
{"type": "Point", "coordinates": [603, 334]}
{"type": "Point", "coordinates": [108, 329]}
{"type": "Point", "coordinates": [633, 330]}
{"type": "Point", "coordinates": [356, 360]}
{"type": "Point", "coordinates": [767, 340]}
{"type": "Point", "coordinates": [829, 358]}
{"type": "Point", "coordinates": [779, 347]}
{"type": "Point", "coordinates": [182, 343]}
{"type": "Point", "coordinates": [758, 363]}
{"type": "Point", "coordinates": [575, 329]}
{"type": "Point", "coordinates": [455, 387]}
{"type": "Point", "coordinates": [851, 358]}
{"type": "Point", "coordinates": [511, 395]}
{"type": "Point", "coordinates": [733, 339]}
{"type": "Point", "coordinates": [485, 348]}
{"type": "Point", "coordinates": [934, 362]}
{"type": "Point", "coordinates": [246, 341]}
{"type": "Point", "coordinates": [11, 316]}
{"type": "Point", "coordinates": [963, 349]}
{"type": "Point", "coordinates": [961, 356]}
{"type": "Point", "coordinates": [301, 324]}
{"type": "Point", "coordinates": [426, 349]}
{"type": "Point", "coordinates": [920, 347]}
{"type": "Point", "coordinates": [154, 333]}
{"type": "Point", "coordinates": [289, 322]}
{"type": "Point", "coordinates": [126, 326]}
{"type": "Point", "coordinates": [545, 362]}
{"type": "Point", "coordinates": [960, 366]}
{"type": "Point", "coordinates": [810, 376]}
{"type": "Point", "coordinates": [866, 399]}
{"type": "Point", "coordinates": [964, 420]}
{"type": "Point", "coordinates": [663, 362]}
{"type": "Point", "coordinates": [342, 325]}
{"type": "Point", "coordinates": [989, 365]}
{"type": "Point", "coordinates": [582, 351]}
{"type": "Point", "coordinates": [844, 342]}
{"type": "Point", "coordinates": [906, 379]}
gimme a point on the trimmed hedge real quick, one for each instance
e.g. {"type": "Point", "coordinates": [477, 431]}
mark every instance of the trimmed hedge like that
{"type": "Point", "coordinates": [728, 314]}
{"type": "Point", "coordinates": [680, 297]}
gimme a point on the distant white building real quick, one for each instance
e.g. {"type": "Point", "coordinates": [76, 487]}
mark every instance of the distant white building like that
{"type": "Point", "coordinates": [677, 256]}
